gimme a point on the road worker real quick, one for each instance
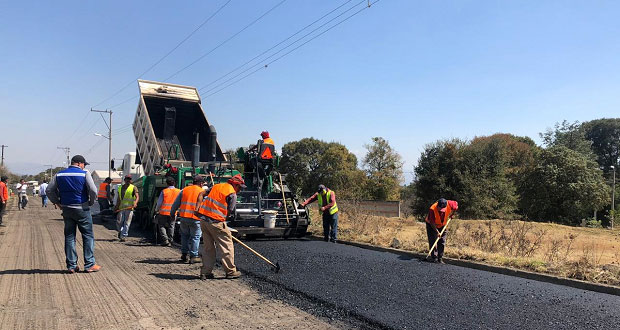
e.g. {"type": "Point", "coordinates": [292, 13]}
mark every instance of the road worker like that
{"type": "Point", "coordinates": [266, 138]}
{"type": "Point", "coordinates": [213, 211]}
{"type": "Point", "coordinates": [329, 209]}
{"type": "Point", "coordinates": [437, 218]}
{"type": "Point", "coordinates": [4, 196]}
{"type": "Point", "coordinates": [103, 195]}
{"type": "Point", "coordinates": [185, 203]}
{"type": "Point", "coordinates": [164, 219]}
{"type": "Point", "coordinates": [74, 190]}
{"type": "Point", "coordinates": [126, 201]}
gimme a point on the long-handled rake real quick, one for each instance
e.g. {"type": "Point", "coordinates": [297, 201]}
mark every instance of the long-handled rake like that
{"type": "Point", "coordinates": [276, 266]}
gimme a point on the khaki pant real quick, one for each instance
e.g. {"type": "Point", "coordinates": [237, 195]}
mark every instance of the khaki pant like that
{"type": "Point", "coordinates": [216, 235]}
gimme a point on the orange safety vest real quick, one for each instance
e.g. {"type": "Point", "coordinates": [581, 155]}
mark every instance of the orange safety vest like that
{"type": "Point", "coordinates": [5, 191]}
{"type": "Point", "coordinates": [215, 205]}
{"type": "Point", "coordinates": [438, 221]}
{"type": "Point", "coordinates": [268, 141]}
{"type": "Point", "coordinates": [188, 201]}
{"type": "Point", "coordinates": [102, 190]}
{"type": "Point", "coordinates": [170, 194]}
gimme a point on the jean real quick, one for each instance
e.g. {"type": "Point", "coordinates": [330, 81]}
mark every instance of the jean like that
{"type": "Point", "coordinates": [330, 226]}
{"type": "Point", "coordinates": [123, 222]}
{"type": "Point", "coordinates": [84, 222]}
{"type": "Point", "coordinates": [190, 236]}
{"type": "Point", "coordinates": [44, 200]}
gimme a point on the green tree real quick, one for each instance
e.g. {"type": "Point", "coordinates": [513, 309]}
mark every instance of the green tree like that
{"type": "Point", "coordinates": [310, 162]}
{"type": "Point", "coordinates": [436, 174]}
{"type": "Point", "coordinates": [384, 168]}
{"type": "Point", "coordinates": [569, 135]}
{"type": "Point", "coordinates": [604, 135]}
{"type": "Point", "coordinates": [564, 186]}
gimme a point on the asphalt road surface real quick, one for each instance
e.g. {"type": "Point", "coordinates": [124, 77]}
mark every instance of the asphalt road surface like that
{"type": "Point", "coordinates": [396, 292]}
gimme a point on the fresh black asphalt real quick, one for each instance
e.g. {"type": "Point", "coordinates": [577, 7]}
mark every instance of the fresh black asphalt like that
{"type": "Point", "coordinates": [395, 291]}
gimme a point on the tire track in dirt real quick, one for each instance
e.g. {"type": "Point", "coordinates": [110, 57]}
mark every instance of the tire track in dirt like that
{"type": "Point", "coordinates": [140, 287]}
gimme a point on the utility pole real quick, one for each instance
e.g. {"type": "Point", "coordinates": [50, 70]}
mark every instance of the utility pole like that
{"type": "Point", "coordinates": [3, 146]}
{"type": "Point", "coordinates": [67, 151]}
{"type": "Point", "coordinates": [613, 197]}
{"type": "Point", "coordinates": [109, 138]}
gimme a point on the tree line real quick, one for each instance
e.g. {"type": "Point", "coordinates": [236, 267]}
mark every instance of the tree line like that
{"type": "Point", "coordinates": [498, 176]}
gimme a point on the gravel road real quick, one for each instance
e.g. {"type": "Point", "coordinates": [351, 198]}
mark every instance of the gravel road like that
{"type": "Point", "coordinates": [396, 292]}
{"type": "Point", "coordinates": [140, 287]}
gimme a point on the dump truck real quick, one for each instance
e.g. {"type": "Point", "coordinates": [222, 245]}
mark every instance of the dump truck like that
{"type": "Point", "coordinates": [174, 138]}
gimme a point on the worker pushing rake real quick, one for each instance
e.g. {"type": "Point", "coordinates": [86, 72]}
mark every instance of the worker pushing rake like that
{"type": "Point", "coordinates": [437, 222]}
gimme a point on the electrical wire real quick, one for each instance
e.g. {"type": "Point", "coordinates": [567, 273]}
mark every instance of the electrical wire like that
{"type": "Point", "coordinates": [282, 49]}
{"type": "Point", "coordinates": [294, 49]}
{"type": "Point", "coordinates": [276, 45]}
{"type": "Point", "coordinates": [166, 55]}
{"type": "Point", "coordinates": [227, 40]}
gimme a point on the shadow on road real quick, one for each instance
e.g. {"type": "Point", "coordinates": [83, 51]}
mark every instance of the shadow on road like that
{"type": "Point", "coordinates": [106, 239]}
{"type": "Point", "coordinates": [168, 276]}
{"type": "Point", "coordinates": [159, 261]}
{"type": "Point", "coordinates": [32, 271]}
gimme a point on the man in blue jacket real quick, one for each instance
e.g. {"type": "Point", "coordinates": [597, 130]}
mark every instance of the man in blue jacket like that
{"type": "Point", "coordinates": [74, 190]}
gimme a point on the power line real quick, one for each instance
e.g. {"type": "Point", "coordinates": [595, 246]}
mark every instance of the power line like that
{"type": "Point", "coordinates": [276, 45]}
{"type": "Point", "coordinates": [281, 50]}
{"type": "Point", "coordinates": [292, 50]}
{"type": "Point", "coordinates": [227, 40]}
{"type": "Point", "coordinates": [166, 55]}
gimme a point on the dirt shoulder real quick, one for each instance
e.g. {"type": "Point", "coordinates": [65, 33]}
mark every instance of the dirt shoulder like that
{"type": "Point", "coordinates": [590, 254]}
{"type": "Point", "coordinates": [140, 287]}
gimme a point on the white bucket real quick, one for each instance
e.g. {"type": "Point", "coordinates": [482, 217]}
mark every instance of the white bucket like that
{"type": "Point", "coordinates": [270, 218]}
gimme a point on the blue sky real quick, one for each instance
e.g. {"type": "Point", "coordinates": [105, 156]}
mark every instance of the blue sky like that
{"type": "Point", "coordinates": [410, 71]}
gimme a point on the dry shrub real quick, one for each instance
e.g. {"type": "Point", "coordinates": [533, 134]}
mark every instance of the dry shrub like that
{"type": "Point", "coordinates": [512, 238]}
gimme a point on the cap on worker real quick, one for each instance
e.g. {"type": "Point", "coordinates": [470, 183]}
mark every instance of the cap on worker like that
{"type": "Point", "coordinates": [321, 188]}
{"type": "Point", "coordinates": [264, 134]}
{"type": "Point", "coordinates": [79, 159]}
{"type": "Point", "coordinates": [442, 204]}
{"type": "Point", "coordinates": [237, 179]}
{"type": "Point", "coordinates": [198, 178]}
{"type": "Point", "coordinates": [128, 177]}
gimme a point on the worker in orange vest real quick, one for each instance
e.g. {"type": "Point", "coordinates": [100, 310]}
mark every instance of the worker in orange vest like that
{"type": "Point", "coordinates": [437, 218]}
{"type": "Point", "coordinates": [213, 211]}
{"type": "Point", "coordinates": [104, 198]}
{"type": "Point", "coordinates": [266, 138]}
{"type": "Point", "coordinates": [4, 196]}
{"type": "Point", "coordinates": [186, 203]}
{"type": "Point", "coordinates": [164, 218]}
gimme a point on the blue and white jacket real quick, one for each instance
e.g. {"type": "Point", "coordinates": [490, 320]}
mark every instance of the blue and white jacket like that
{"type": "Point", "coordinates": [72, 187]}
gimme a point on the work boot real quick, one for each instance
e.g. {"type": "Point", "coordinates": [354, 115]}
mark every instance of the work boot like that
{"type": "Point", "coordinates": [440, 261]}
{"type": "Point", "coordinates": [209, 276]}
{"type": "Point", "coordinates": [165, 243]}
{"type": "Point", "coordinates": [234, 274]}
{"type": "Point", "coordinates": [194, 260]}
{"type": "Point", "coordinates": [122, 239]}
{"type": "Point", "coordinates": [93, 269]}
{"type": "Point", "coordinates": [73, 270]}
{"type": "Point", "coordinates": [184, 257]}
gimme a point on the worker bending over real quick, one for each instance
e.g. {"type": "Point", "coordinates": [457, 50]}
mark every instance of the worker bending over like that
{"type": "Point", "coordinates": [164, 218]}
{"type": "Point", "coordinates": [185, 203]}
{"type": "Point", "coordinates": [329, 209]}
{"type": "Point", "coordinates": [213, 211]}
{"type": "Point", "coordinates": [437, 218]}
{"type": "Point", "coordinates": [126, 202]}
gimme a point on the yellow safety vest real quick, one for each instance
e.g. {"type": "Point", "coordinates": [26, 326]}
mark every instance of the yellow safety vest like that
{"type": "Point", "coordinates": [128, 199]}
{"type": "Point", "coordinates": [328, 196]}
